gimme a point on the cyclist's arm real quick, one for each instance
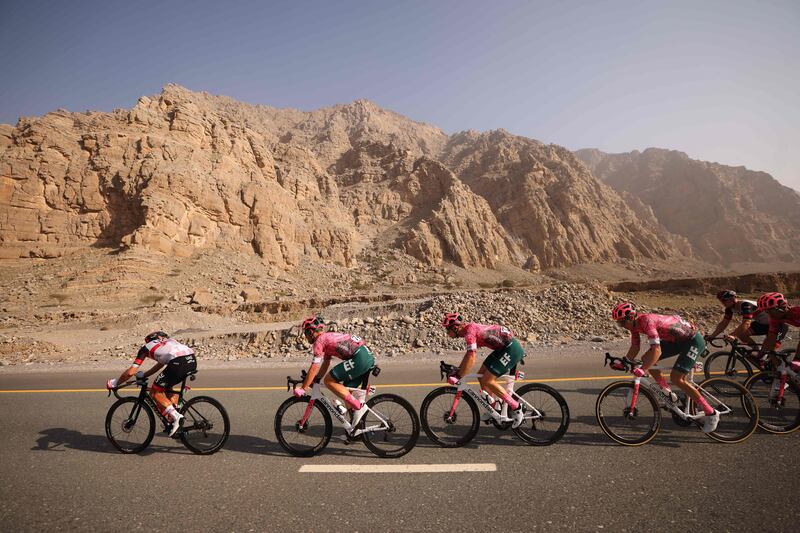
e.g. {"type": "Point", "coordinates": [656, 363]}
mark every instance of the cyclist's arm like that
{"type": "Point", "coordinates": [125, 376]}
{"type": "Point", "coordinates": [651, 357]}
{"type": "Point", "coordinates": [467, 363]}
{"type": "Point", "coordinates": [720, 328]}
{"type": "Point", "coordinates": [769, 342]}
{"type": "Point", "coordinates": [314, 370]}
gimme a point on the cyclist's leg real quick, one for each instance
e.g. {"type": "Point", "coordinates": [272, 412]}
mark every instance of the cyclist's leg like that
{"type": "Point", "coordinates": [691, 350]}
{"type": "Point", "coordinates": [497, 364]}
{"type": "Point", "coordinates": [174, 373]}
{"type": "Point", "coordinates": [349, 373]}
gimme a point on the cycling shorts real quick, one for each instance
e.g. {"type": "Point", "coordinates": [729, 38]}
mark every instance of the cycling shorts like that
{"type": "Point", "coordinates": [762, 329]}
{"type": "Point", "coordinates": [504, 360]}
{"type": "Point", "coordinates": [175, 372]}
{"type": "Point", "coordinates": [687, 352]}
{"type": "Point", "coordinates": [350, 371]}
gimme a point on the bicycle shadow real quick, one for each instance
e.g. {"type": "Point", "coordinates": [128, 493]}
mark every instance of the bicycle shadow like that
{"type": "Point", "coordinates": [261, 446]}
{"type": "Point", "coordinates": [63, 439]}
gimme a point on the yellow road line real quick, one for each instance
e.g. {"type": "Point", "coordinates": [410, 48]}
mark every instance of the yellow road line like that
{"type": "Point", "coordinates": [390, 385]}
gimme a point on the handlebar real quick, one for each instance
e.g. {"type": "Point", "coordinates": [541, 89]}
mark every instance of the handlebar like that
{"type": "Point", "coordinates": [627, 365]}
{"type": "Point", "coordinates": [291, 384]}
{"type": "Point", "coordinates": [446, 370]}
{"type": "Point", "coordinates": [713, 342]}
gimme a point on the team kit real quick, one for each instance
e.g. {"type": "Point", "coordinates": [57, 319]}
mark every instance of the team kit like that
{"type": "Point", "coordinates": [748, 385]}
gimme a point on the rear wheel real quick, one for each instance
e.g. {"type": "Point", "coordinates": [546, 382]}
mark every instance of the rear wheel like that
{"type": "Point", "coordinates": [302, 438]}
{"type": "Point", "coordinates": [737, 408]}
{"type": "Point", "coordinates": [205, 425]}
{"type": "Point", "coordinates": [725, 364]}
{"type": "Point", "coordinates": [775, 416]}
{"type": "Point", "coordinates": [550, 420]}
{"type": "Point", "coordinates": [448, 427]}
{"type": "Point", "coordinates": [130, 425]}
{"type": "Point", "coordinates": [392, 426]}
{"type": "Point", "coordinates": [623, 424]}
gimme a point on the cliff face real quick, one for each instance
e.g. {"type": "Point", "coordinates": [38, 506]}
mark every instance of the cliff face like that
{"type": "Point", "coordinates": [727, 213]}
{"type": "Point", "coordinates": [183, 171]}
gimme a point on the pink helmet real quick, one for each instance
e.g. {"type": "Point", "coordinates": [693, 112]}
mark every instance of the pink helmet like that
{"type": "Point", "coordinates": [452, 320]}
{"type": "Point", "coordinates": [771, 300]}
{"type": "Point", "coordinates": [312, 323]}
{"type": "Point", "coordinates": [623, 310]}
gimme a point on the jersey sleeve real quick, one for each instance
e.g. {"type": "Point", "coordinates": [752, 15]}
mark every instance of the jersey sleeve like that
{"type": "Point", "coordinates": [748, 311]}
{"type": "Point", "coordinates": [141, 356]}
{"type": "Point", "coordinates": [649, 328]}
{"type": "Point", "coordinates": [471, 338]}
{"type": "Point", "coordinates": [728, 313]}
{"type": "Point", "coordinates": [318, 351]}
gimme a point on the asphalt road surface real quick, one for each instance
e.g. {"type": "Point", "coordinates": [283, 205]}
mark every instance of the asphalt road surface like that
{"type": "Point", "coordinates": [59, 472]}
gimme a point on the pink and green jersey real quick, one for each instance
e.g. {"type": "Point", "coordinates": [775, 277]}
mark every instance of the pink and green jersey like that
{"type": "Point", "coordinates": [667, 328]}
{"type": "Point", "coordinates": [486, 336]}
{"type": "Point", "coordinates": [333, 344]}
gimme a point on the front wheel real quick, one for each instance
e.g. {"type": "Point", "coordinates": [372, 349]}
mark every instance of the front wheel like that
{"type": "Point", "coordinates": [727, 364]}
{"type": "Point", "coordinates": [391, 426]}
{"type": "Point", "coordinates": [130, 425]}
{"type": "Point", "coordinates": [626, 425]}
{"type": "Point", "coordinates": [775, 416]}
{"type": "Point", "coordinates": [303, 428]}
{"type": "Point", "coordinates": [546, 414]}
{"type": "Point", "coordinates": [205, 425]}
{"type": "Point", "coordinates": [738, 410]}
{"type": "Point", "coordinates": [449, 420]}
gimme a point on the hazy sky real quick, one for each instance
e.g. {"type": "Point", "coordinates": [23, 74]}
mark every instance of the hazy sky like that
{"type": "Point", "coordinates": [718, 80]}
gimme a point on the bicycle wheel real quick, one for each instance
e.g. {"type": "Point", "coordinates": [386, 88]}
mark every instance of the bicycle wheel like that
{"type": "Point", "coordinates": [623, 425]}
{"type": "Point", "coordinates": [309, 438]}
{"type": "Point", "coordinates": [775, 417]}
{"type": "Point", "coordinates": [725, 364]}
{"type": "Point", "coordinates": [552, 420]}
{"type": "Point", "coordinates": [130, 425]}
{"type": "Point", "coordinates": [738, 409]}
{"type": "Point", "coordinates": [205, 425]}
{"type": "Point", "coordinates": [392, 426]}
{"type": "Point", "coordinates": [445, 430]}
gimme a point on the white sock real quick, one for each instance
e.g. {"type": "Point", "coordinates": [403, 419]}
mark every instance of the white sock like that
{"type": "Point", "coordinates": [172, 413]}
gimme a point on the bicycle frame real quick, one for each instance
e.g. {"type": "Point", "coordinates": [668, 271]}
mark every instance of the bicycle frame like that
{"type": "Point", "coordinates": [499, 415]}
{"type": "Point", "coordinates": [786, 375]}
{"type": "Point", "coordinates": [146, 398]}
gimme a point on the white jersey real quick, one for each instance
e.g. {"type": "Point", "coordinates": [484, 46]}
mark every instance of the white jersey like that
{"type": "Point", "coordinates": [162, 351]}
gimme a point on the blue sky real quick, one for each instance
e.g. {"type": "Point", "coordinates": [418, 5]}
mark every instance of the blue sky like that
{"type": "Point", "coordinates": [718, 80]}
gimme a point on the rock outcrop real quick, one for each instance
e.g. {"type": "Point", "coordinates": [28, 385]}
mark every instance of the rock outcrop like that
{"type": "Point", "coordinates": [728, 214]}
{"type": "Point", "coordinates": [184, 171]}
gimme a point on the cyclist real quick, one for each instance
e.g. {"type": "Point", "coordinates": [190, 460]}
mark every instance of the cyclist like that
{"type": "Point", "coordinates": [506, 353]}
{"type": "Point", "coordinates": [781, 315]}
{"type": "Point", "coordinates": [668, 335]}
{"type": "Point", "coordinates": [754, 322]}
{"type": "Point", "coordinates": [178, 359]}
{"type": "Point", "coordinates": [357, 361]}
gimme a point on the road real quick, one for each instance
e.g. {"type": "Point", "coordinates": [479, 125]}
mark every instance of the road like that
{"type": "Point", "coordinates": [59, 471]}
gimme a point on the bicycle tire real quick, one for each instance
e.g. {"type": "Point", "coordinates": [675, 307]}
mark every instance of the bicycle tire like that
{"type": "Point", "coordinates": [728, 365]}
{"type": "Point", "coordinates": [198, 423]}
{"type": "Point", "coordinates": [735, 426]}
{"type": "Point", "coordinates": [773, 418]}
{"type": "Point", "coordinates": [612, 413]}
{"type": "Point", "coordinates": [403, 432]}
{"type": "Point", "coordinates": [438, 400]}
{"type": "Point", "coordinates": [128, 427]}
{"type": "Point", "coordinates": [555, 421]}
{"type": "Point", "coordinates": [317, 441]}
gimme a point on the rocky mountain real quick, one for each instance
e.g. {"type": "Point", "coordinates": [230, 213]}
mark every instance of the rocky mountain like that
{"type": "Point", "coordinates": [184, 171]}
{"type": "Point", "coordinates": [728, 214]}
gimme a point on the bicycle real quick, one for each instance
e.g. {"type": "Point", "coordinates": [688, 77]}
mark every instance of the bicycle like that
{"type": "Point", "coordinates": [778, 395]}
{"type": "Point", "coordinates": [130, 422]}
{"type": "Point", "coordinates": [450, 415]}
{"type": "Point", "coordinates": [733, 363]}
{"type": "Point", "coordinates": [630, 414]}
{"type": "Point", "coordinates": [303, 426]}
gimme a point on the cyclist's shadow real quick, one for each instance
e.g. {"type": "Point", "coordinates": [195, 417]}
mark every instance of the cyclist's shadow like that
{"type": "Point", "coordinates": [63, 439]}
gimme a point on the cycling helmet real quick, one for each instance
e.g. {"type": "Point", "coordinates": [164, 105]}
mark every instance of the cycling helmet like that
{"type": "Point", "coordinates": [726, 295]}
{"type": "Point", "coordinates": [312, 323]}
{"type": "Point", "coordinates": [452, 320]}
{"type": "Point", "coordinates": [771, 300]}
{"type": "Point", "coordinates": [150, 337]}
{"type": "Point", "coordinates": [623, 310]}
